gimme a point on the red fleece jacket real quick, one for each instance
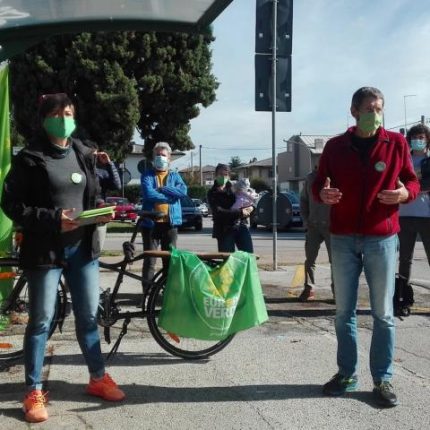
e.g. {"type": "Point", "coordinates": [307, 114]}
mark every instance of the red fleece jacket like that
{"type": "Point", "coordinates": [359, 210]}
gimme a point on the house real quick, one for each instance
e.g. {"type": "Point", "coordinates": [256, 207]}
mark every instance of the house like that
{"type": "Point", "coordinates": [193, 174]}
{"type": "Point", "coordinates": [261, 169]}
{"type": "Point", "coordinates": [302, 155]}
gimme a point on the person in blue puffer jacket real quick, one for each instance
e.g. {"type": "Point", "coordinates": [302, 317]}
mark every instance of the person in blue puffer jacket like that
{"type": "Point", "coordinates": [162, 190]}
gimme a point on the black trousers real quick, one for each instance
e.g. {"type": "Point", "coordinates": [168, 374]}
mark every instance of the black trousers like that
{"type": "Point", "coordinates": [161, 235]}
{"type": "Point", "coordinates": [410, 228]}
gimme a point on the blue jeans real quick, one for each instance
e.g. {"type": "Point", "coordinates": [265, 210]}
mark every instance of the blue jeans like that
{"type": "Point", "coordinates": [82, 276]}
{"type": "Point", "coordinates": [240, 236]}
{"type": "Point", "coordinates": [377, 255]}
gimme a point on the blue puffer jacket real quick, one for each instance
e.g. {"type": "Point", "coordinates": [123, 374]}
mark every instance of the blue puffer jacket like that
{"type": "Point", "coordinates": [171, 193]}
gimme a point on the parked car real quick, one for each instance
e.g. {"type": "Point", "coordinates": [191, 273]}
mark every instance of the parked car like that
{"type": "Point", "coordinates": [295, 202]}
{"type": "Point", "coordinates": [124, 210]}
{"type": "Point", "coordinates": [191, 214]}
{"type": "Point", "coordinates": [202, 206]}
{"type": "Point", "coordinates": [138, 205]}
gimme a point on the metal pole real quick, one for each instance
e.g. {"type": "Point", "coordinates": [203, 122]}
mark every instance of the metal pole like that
{"type": "Point", "coordinates": [122, 178]}
{"type": "Point", "coordinates": [200, 160]}
{"type": "Point", "coordinates": [192, 167]}
{"type": "Point", "coordinates": [274, 172]}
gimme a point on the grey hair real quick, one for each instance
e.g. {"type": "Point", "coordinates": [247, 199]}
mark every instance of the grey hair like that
{"type": "Point", "coordinates": [365, 92]}
{"type": "Point", "coordinates": [162, 145]}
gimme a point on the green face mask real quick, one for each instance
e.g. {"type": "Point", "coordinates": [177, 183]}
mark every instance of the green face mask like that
{"type": "Point", "coordinates": [59, 127]}
{"type": "Point", "coordinates": [369, 122]}
{"type": "Point", "coordinates": [222, 180]}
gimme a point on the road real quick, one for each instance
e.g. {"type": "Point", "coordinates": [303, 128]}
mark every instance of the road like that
{"type": "Point", "coordinates": [290, 244]}
{"type": "Point", "coordinates": [290, 248]}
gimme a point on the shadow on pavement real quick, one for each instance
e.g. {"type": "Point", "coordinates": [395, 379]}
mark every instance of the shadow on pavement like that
{"type": "Point", "coordinates": [127, 359]}
{"type": "Point", "coordinates": [312, 313]}
{"type": "Point", "coordinates": [150, 394]}
{"type": "Point", "coordinates": [295, 300]}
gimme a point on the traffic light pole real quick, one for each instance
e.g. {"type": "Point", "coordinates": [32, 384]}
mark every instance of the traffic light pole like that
{"type": "Point", "coordinates": [274, 170]}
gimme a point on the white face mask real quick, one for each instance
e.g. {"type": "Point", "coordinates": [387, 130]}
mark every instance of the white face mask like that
{"type": "Point", "coordinates": [161, 162]}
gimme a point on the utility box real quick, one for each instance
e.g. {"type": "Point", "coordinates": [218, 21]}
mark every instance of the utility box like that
{"type": "Point", "coordinates": [288, 211]}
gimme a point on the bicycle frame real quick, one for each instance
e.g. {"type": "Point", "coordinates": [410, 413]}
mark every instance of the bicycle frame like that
{"type": "Point", "coordinates": [109, 305]}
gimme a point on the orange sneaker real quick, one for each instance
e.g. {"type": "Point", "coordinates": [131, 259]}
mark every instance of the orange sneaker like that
{"type": "Point", "coordinates": [105, 388]}
{"type": "Point", "coordinates": [34, 406]}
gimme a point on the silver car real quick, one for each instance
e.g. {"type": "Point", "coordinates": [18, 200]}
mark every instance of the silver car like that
{"type": "Point", "coordinates": [202, 206]}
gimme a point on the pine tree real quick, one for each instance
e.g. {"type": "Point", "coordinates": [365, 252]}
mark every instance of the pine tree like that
{"type": "Point", "coordinates": [119, 81]}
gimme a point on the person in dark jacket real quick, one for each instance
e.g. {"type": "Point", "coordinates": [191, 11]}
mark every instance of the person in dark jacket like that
{"type": "Point", "coordinates": [316, 221]}
{"type": "Point", "coordinates": [414, 217]}
{"type": "Point", "coordinates": [107, 179]}
{"type": "Point", "coordinates": [229, 225]}
{"type": "Point", "coordinates": [106, 172]}
{"type": "Point", "coordinates": [50, 182]}
{"type": "Point", "coordinates": [364, 174]}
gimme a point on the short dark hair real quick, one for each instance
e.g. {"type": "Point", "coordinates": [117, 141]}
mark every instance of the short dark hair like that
{"type": "Point", "coordinates": [365, 92]}
{"type": "Point", "coordinates": [419, 129]}
{"type": "Point", "coordinates": [221, 166]}
{"type": "Point", "coordinates": [51, 102]}
{"type": "Point", "coordinates": [90, 144]}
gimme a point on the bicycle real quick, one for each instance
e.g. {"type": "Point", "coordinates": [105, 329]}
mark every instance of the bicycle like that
{"type": "Point", "coordinates": [110, 311]}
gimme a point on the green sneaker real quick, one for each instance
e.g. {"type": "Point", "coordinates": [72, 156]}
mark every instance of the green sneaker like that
{"type": "Point", "coordinates": [384, 394]}
{"type": "Point", "coordinates": [340, 384]}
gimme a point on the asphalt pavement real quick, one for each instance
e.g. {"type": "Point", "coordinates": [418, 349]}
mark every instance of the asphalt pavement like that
{"type": "Point", "coordinates": [269, 377]}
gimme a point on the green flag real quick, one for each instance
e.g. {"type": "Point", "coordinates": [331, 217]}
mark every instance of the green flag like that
{"type": "Point", "coordinates": [5, 156]}
{"type": "Point", "coordinates": [210, 303]}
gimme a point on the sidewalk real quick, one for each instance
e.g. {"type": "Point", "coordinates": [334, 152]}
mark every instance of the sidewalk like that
{"type": "Point", "coordinates": [268, 378]}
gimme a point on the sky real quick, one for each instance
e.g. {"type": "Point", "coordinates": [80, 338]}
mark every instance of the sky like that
{"type": "Point", "coordinates": [338, 47]}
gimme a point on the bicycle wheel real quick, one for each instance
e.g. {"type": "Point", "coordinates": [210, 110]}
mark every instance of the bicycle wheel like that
{"type": "Point", "coordinates": [191, 349]}
{"type": "Point", "coordinates": [14, 318]}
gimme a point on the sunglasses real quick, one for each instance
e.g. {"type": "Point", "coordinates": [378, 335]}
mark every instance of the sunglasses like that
{"type": "Point", "coordinates": [44, 97]}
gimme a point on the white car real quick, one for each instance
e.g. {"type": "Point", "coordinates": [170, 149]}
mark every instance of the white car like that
{"type": "Point", "coordinates": [202, 206]}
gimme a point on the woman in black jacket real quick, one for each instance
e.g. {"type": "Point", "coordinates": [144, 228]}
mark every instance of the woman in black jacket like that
{"type": "Point", "coordinates": [51, 181]}
{"type": "Point", "coordinates": [229, 228]}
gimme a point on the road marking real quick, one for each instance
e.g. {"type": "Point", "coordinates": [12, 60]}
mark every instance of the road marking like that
{"type": "Point", "coordinates": [299, 276]}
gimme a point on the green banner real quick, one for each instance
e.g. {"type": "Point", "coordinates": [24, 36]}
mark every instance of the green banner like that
{"type": "Point", "coordinates": [5, 156]}
{"type": "Point", "coordinates": [209, 303]}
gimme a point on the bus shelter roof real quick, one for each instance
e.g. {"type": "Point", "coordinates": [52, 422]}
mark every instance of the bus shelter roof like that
{"type": "Point", "coordinates": [24, 23]}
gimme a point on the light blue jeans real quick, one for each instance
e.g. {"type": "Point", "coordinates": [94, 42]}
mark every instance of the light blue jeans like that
{"type": "Point", "coordinates": [377, 255]}
{"type": "Point", "coordinates": [82, 277]}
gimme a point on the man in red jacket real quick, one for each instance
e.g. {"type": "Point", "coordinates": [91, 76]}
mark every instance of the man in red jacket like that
{"type": "Point", "coordinates": [364, 174]}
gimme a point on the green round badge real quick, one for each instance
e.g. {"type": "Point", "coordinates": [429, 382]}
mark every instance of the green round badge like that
{"type": "Point", "coordinates": [380, 166]}
{"type": "Point", "coordinates": [76, 178]}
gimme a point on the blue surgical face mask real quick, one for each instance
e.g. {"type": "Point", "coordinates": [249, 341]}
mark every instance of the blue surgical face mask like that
{"type": "Point", "coordinates": [161, 162]}
{"type": "Point", "coordinates": [418, 144]}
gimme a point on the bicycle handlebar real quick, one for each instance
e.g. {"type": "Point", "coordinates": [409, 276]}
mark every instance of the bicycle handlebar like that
{"type": "Point", "coordinates": [154, 215]}
{"type": "Point", "coordinates": [201, 255]}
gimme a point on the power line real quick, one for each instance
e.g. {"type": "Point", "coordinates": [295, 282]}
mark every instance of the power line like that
{"type": "Point", "coordinates": [241, 149]}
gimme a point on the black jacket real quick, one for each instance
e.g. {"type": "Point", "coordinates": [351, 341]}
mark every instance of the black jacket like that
{"type": "Point", "coordinates": [224, 218]}
{"type": "Point", "coordinates": [27, 200]}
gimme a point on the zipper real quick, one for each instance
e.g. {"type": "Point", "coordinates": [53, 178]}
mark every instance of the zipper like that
{"type": "Point", "coordinates": [363, 194]}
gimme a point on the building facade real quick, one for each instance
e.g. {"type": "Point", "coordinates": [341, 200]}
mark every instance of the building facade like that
{"type": "Point", "coordinates": [300, 158]}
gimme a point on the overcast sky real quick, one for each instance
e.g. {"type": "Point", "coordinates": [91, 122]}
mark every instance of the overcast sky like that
{"type": "Point", "coordinates": [338, 46]}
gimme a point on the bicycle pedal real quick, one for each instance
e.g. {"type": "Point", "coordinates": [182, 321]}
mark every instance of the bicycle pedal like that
{"type": "Point", "coordinates": [174, 337]}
